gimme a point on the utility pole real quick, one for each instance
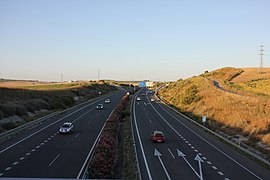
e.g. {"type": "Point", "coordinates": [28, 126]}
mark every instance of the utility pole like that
{"type": "Point", "coordinates": [261, 54]}
{"type": "Point", "coordinates": [61, 77]}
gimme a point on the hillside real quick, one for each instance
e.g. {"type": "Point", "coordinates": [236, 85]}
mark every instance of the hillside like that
{"type": "Point", "coordinates": [246, 115]}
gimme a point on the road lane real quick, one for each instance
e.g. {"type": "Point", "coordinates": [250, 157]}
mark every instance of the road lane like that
{"type": "Point", "coordinates": [158, 171]}
{"type": "Point", "coordinates": [35, 155]}
{"type": "Point", "coordinates": [219, 160]}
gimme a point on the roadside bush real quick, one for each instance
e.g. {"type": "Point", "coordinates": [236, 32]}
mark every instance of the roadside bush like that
{"type": "Point", "coordinates": [9, 125]}
{"type": "Point", "coordinates": [67, 100]}
{"type": "Point", "coordinates": [191, 95]}
{"type": "Point", "coordinates": [104, 161]}
{"type": "Point", "coordinates": [57, 105]}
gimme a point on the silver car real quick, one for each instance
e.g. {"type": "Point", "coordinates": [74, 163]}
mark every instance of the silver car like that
{"type": "Point", "coordinates": [66, 128]}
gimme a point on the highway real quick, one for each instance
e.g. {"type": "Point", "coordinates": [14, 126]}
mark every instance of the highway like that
{"type": "Point", "coordinates": [188, 152]}
{"type": "Point", "coordinates": [42, 152]}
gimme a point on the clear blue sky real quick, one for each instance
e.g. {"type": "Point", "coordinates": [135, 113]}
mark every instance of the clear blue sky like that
{"type": "Point", "coordinates": [129, 40]}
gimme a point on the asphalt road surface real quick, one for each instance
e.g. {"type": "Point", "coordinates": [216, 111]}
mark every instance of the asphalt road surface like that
{"type": "Point", "coordinates": [42, 152]}
{"type": "Point", "coordinates": [188, 151]}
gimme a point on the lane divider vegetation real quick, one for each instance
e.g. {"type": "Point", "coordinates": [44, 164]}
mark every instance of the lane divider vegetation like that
{"type": "Point", "coordinates": [104, 162]}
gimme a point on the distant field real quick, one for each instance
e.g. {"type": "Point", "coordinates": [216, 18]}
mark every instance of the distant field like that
{"type": "Point", "coordinates": [19, 83]}
{"type": "Point", "coordinates": [38, 85]}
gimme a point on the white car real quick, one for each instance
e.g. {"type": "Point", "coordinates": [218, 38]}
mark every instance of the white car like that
{"type": "Point", "coordinates": [107, 101]}
{"type": "Point", "coordinates": [138, 98]}
{"type": "Point", "coordinates": [152, 100]}
{"type": "Point", "coordinates": [66, 128]}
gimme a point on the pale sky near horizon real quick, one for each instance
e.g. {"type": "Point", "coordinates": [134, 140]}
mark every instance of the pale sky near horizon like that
{"type": "Point", "coordinates": [130, 40]}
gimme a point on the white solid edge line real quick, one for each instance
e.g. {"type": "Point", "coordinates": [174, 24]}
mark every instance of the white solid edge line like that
{"type": "Point", "coordinates": [140, 142]}
{"type": "Point", "coordinates": [92, 148]}
{"type": "Point", "coordinates": [46, 127]}
{"type": "Point", "coordinates": [212, 145]}
{"type": "Point", "coordinates": [54, 160]}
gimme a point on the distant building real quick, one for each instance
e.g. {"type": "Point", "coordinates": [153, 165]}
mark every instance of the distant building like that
{"type": "Point", "coordinates": [149, 84]}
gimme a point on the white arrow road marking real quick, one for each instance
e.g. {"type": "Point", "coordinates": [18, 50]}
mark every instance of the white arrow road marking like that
{"type": "Point", "coordinates": [158, 154]}
{"type": "Point", "coordinates": [180, 154]}
{"type": "Point", "coordinates": [198, 158]}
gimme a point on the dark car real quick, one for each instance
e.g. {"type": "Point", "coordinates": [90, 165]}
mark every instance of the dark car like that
{"type": "Point", "coordinates": [99, 106]}
{"type": "Point", "coordinates": [158, 136]}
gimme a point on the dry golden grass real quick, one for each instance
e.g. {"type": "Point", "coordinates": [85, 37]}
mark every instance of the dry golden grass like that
{"type": "Point", "coordinates": [232, 113]}
{"type": "Point", "coordinates": [12, 84]}
{"type": "Point", "coordinates": [252, 74]}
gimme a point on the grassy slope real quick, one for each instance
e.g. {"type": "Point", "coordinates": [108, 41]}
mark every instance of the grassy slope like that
{"type": "Point", "coordinates": [234, 114]}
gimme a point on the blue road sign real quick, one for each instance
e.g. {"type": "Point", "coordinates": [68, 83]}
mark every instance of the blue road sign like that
{"type": "Point", "coordinates": [142, 84]}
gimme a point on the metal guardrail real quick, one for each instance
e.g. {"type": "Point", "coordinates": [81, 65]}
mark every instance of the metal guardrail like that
{"type": "Point", "coordinates": [13, 132]}
{"type": "Point", "coordinates": [245, 148]}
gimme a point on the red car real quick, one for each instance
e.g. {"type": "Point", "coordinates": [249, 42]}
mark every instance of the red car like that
{"type": "Point", "coordinates": [158, 136]}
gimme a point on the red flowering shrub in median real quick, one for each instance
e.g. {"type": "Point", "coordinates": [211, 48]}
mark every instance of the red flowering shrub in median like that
{"type": "Point", "coordinates": [104, 161]}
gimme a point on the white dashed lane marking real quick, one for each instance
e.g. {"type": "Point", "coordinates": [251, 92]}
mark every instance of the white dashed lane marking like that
{"type": "Point", "coordinates": [220, 173]}
{"type": "Point", "coordinates": [1, 174]}
{"type": "Point", "coordinates": [27, 154]}
{"type": "Point", "coordinates": [8, 168]}
{"type": "Point", "coordinates": [33, 150]}
{"type": "Point", "coordinates": [37, 147]}
{"type": "Point", "coordinates": [15, 163]}
{"type": "Point", "coordinates": [204, 158]}
{"type": "Point", "coordinates": [22, 158]}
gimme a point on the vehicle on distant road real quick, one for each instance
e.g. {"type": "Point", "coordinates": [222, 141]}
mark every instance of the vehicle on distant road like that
{"type": "Point", "coordinates": [158, 136]}
{"type": "Point", "coordinates": [99, 106]}
{"type": "Point", "coordinates": [66, 128]}
{"type": "Point", "coordinates": [152, 100]}
{"type": "Point", "coordinates": [138, 98]}
{"type": "Point", "coordinates": [143, 94]}
{"type": "Point", "coordinates": [107, 101]}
